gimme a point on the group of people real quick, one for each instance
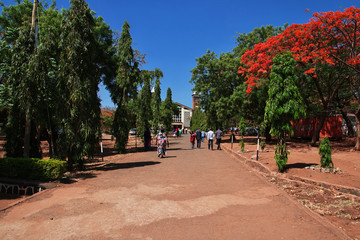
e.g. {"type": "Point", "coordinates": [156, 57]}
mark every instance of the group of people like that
{"type": "Point", "coordinates": [200, 136]}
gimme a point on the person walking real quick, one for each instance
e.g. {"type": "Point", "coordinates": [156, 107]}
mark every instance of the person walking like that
{"type": "Point", "coordinates": [198, 138]}
{"type": "Point", "coordinates": [192, 139]}
{"type": "Point", "coordinates": [210, 137]}
{"type": "Point", "coordinates": [147, 139]}
{"type": "Point", "coordinates": [161, 140]}
{"type": "Point", "coordinates": [203, 135]}
{"type": "Point", "coordinates": [218, 134]}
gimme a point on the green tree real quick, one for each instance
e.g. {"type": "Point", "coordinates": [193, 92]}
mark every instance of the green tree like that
{"type": "Point", "coordinates": [124, 87]}
{"type": "Point", "coordinates": [198, 120]}
{"type": "Point", "coordinates": [284, 103]}
{"type": "Point", "coordinates": [169, 111]}
{"type": "Point", "coordinates": [78, 81]}
{"type": "Point", "coordinates": [156, 100]}
{"type": "Point", "coordinates": [325, 153]}
{"type": "Point", "coordinates": [215, 80]}
{"type": "Point", "coordinates": [144, 105]}
{"type": "Point", "coordinates": [247, 41]}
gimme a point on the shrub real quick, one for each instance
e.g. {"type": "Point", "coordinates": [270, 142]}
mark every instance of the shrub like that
{"type": "Point", "coordinates": [325, 153]}
{"type": "Point", "coordinates": [281, 156]}
{"type": "Point", "coordinates": [242, 145]}
{"type": "Point", "coordinates": [262, 145]}
{"type": "Point", "coordinates": [32, 168]}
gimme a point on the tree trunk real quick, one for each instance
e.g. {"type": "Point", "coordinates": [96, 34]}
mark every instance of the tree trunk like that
{"type": "Point", "coordinates": [348, 124]}
{"type": "Point", "coordinates": [357, 115]}
{"type": "Point", "coordinates": [319, 126]}
{"type": "Point", "coordinates": [27, 117]}
{"type": "Point", "coordinates": [33, 17]}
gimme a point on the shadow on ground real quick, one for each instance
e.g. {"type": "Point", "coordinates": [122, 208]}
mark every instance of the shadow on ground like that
{"type": "Point", "coordinates": [116, 166]}
{"type": "Point", "coordinates": [299, 165]}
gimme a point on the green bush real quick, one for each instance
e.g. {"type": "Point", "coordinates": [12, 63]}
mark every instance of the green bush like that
{"type": "Point", "coordinates": [281, 156]}
{"type": "Point", "coordinates": [262, 145]}
{"type": "Point", "coordinates": [32, 168]}
{"type": "Point", "coordinates": [325, 153]}
{"type": "Point", "coordinates": [242, 145]}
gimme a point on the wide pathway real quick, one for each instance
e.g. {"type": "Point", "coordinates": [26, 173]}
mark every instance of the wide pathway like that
{"type": "Point", "coordinates": [191, 194]}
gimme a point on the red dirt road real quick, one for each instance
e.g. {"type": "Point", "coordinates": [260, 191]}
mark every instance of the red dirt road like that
{"type": "Point", "coordinates": [191, 194]}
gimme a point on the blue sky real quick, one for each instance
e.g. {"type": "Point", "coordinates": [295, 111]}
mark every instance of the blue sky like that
{"type": "Point", "coordinates": [173, 33]}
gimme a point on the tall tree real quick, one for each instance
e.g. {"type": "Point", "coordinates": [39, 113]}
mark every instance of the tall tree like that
{"type": "Point", "coordinates": [79, 79]}
{"type": "Point", "coordinates": [124, 88]}
{"type": "Point", "coordinates": [214, 81]}
{"type": "Point", "coordinates": [144, 105]}
{"type": "Point", "coordinates": [329, 40]}
{"type": "Point", "coordinates": [169, 111]}
{"type": "Point", "coordinates": [284, 103]}
{"type": "Point", "coordinates": [156, 102]}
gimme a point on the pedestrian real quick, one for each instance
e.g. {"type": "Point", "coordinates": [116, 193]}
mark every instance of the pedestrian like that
{"type": "Point", "coordinates": [177, 132]}
{"type": "Point", "coordinates": [192, 139]}
{"type": "Point", "coordinates": [203, 135]}
{"type": "Point", "coordinates": [218, 134]}
{"type": "Point", "coordinates": [147, 139]}
{"type": "Point", "coordinates": [161, 140]}
{"type": "Point", "coordinates": [210, 137]}
{"type": "Point", "coordinates": [198, 138]}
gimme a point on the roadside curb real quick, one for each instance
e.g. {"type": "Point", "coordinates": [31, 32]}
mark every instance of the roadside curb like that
{"type": "Point", "coordinates": [27, 198]}
{"type": "Point", "coordinates": [262, 169]}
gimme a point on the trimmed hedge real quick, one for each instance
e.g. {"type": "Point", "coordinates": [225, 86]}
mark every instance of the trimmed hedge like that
{"type": "Point", "coordinates": [32, 168]}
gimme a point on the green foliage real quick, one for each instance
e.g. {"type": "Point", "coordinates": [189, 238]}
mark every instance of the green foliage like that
{"type": "Point", "coordinates": [262, 144]}
{"type": "Point", "coordinates": [325, 153]}
{"type": "Point", "coordinates": [156, 102]}
{"type": "Point", "coordinates": [124, 88]}
{"type": "Point", "coordinates": [215, 79]}
{"type": "Point", "coordinates": [144, 106]}
{"type": "Point", "coordinates": [32, 168]}
{"type": "Point", "coordinates": [198, 120]}
{"type": "Point", "coordinates": [121, 122]}
{"type": "Point", "coordinates": [242, 145]}
{"type": "Point", "coordinates": [281, 156]}
{"type": "Point", "coordinates": [284, 103]}
{"type": "Point", "coordinates": [248, 40]}
{"type": "Point", "coordinates": [78, 81]}
{"type": "Point", "coordinates": [107, 123]}
{"type": "Point", "coordinates": [242, 126]}
{"type": "Point", "coordinates": [169, 111]}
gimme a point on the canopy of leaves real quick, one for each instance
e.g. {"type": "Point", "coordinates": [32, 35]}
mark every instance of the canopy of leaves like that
{"type": "Point", "coordinates": [284, 103]}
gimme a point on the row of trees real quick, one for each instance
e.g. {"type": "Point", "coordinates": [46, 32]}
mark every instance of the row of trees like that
{"type": "Point", "coordinates": [326, 53]}
{"type": "Point", "coordinates": [51, 65]}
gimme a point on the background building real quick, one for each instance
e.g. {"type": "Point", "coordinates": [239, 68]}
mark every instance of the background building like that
{"type": "Point", "coordinates": [183, 119]}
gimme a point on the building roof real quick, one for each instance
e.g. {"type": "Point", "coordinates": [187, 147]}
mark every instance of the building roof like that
{"type": "Point", "coordinates": [181, 105]}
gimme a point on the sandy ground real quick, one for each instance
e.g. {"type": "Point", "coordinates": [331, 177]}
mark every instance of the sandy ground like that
{"type": "Point", "coordinates": [190, 194]}
{"type": "Point", "coordinates": [335, 196]}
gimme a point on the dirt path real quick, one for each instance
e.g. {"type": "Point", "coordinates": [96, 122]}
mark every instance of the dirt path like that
{"type": "Point", "coordinates": [191, 194]}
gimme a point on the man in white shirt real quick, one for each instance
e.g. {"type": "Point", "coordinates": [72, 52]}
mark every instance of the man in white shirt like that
{"type": "Point", "coordinates": [210, 137]}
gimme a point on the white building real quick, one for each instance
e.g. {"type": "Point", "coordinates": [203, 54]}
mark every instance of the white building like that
{"type": "Point", "coordinates": [183, 119]}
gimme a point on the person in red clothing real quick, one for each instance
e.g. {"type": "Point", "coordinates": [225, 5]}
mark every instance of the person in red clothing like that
{"type": "Point", "coordinates": [192, 139]}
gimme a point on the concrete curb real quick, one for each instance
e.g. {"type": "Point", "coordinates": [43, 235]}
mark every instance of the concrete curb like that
{"type": "Point", "coordinates": [27, 198]}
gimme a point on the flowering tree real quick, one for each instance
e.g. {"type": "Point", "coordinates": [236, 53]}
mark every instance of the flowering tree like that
{"type": "Point", "coordinates": [330, 39]}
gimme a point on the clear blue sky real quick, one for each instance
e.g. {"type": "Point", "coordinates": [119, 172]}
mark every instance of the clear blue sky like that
{"type": "Point", "coordinates": [173, 34]}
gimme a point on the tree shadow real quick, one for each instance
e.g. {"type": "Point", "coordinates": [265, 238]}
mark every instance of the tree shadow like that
{"type": "Point", "coordinates": [116, 166]}
{"type": "Point", "coordinates": [299, 165]}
